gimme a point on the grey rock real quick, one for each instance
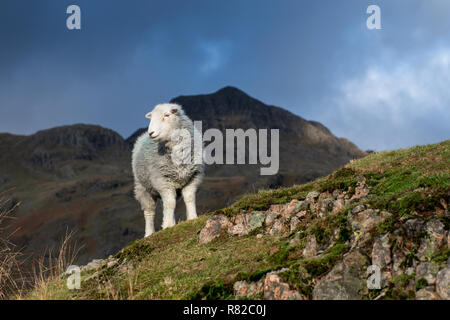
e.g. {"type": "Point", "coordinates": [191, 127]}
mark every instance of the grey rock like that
{"type": "Point", "coordinates": [367, 220]}
{"type": "Point", "coordinates": [256, 220]}
{"type": "Point", "coordinates": [325, 205]}
{"type": "Point", "coordinates": [427, 271]}
{"type": "Point", "coordinates": [277, 228]}
{"type": "Point", "coordinates": [312, 195]}
{"type": "Point", "coordinates": [270, 219]}
{"type": "Point", "coordinates": [362, 189]}
{"type": "Point", "coordinates": [94, 264]}
{"type": "Point", "coordinates": [358, 208]}
{"type": "Point", "coordinates": [247, 288]}
{"type": "Point", "coordinates": [95, 275]}
{"type": "Point", "coordinates": [294, 223]}
{"type": "Point", "coordinates": [213, 228]}
{"type": "Point", "coordinates": [245, 223]}
{"type": "Point", "coordinates": [346, 281]}
{"type": "Point", "coordinates": [399, 259]}
{"type": "Point", "coordinates": [409, 271]}
{"type": "Point", "coordinates": [413, 227]}
{"type": "Point", "coordinates": [303, 205]}
{"type": "Point", "coordinates": [427, 294]}
{"type": "Point", "coordinates": [285, 210]}
{"type": "Point", "coordinates": [448, 239]}
{"type": "Point", "coordinates": [310, 249]}
{"type": "Point", "coordinates": [295, 240]}
{"type": "Point", "coordinates": [381, 252]}
{"type": "Point", "coordinates": [276, 289]}
{"type": "Point", "coordinates": [112, 262]}
{"type": "Point", "coordinates": [443, 283]}
{"type": "Point", "coordinates": [432, 241]}
{"type": "Point", "coordinates": [338, 205]}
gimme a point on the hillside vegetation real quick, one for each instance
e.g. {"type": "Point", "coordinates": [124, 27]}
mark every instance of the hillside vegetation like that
{"type": "Point", "coordinates": [310, 241]}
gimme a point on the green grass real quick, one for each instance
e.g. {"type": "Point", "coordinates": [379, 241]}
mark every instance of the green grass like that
{"type": "Point", "coordinates": [171, 264]}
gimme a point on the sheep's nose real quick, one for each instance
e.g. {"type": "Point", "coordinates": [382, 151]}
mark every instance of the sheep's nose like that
{"type": "Point", "coordinates": [151, 134]}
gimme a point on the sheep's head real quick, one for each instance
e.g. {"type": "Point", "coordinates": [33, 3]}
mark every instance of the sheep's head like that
{"type": "Point", "coordinates": [164, 120]}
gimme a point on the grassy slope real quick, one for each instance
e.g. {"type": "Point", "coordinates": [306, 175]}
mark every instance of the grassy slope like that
{"type": "Point", "coordinates": [172, 265]}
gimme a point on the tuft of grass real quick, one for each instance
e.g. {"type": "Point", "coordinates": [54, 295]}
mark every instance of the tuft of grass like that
{"type": "Point", "coordinates": [397, 288]}
{"type": "Point", "coordinates": [441, 256]}
{"type": "Point", "coordinates": [318, 266]}
{"type": "Point", "coordinates": [214, 291]}
{"type": "Point", "coordinates": [11, 279]}
{"type": "Point", "coordinates": [342, 179]}
{"type": "Point", "coordinates": [388, 225]}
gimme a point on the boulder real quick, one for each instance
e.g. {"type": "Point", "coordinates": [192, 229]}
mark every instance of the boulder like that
{"type": "Point", "coordinates": [358, 208]}
{"type": "Point", "coordinates": [286, 210]}
{"type": "Point", "coordinates": [276, 289]}
{"type": "Point", "coordinates": [367, 220]}
{"type": "Point", "coordinates": [248, 288]}
{"type": "Point", "coordinates": [413, 227]}
{"type": "Point", "coordinates": [214, 228]}
{"type": "Point", "coordinates": [427, 271]}
{"type": "Point", "coordinates": [94, 264]}
{"type": "Point", "coordinates": [346, 281]}
{"type": "Point", "coordinates": [399, 259]}
{"type": "Point", "coordinates": [362, 189]}
{"type": "Point", "coordinates": [294, 223]}
{"type": "Point", "coordinates": [433, 240]}
{"type": "Point", "coordinates": [277, 228]}
{"type": "Point", "coordinates": [427, 294]}
{"type": "Point", "coordinates": [270, 219]}
{"type": "Point", "coordinates": [381, 252]}
{"type": "Point", "coordinates": [245, 223]}
{"type": "Point", "coordinates": [443, 283]}
{"type": "Point", "coordinates": [310, 249]}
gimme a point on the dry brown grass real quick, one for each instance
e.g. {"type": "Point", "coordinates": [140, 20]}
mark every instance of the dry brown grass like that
{"type": "Point", "coordinates": [50, 267]}
{"type": "Point", "coordinates": [11, 279]}
{"type": "Point", "coordinates": [22, 273]}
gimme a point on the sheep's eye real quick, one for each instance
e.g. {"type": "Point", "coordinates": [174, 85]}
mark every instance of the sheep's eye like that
{"type": "Point", "coordinates": [166, 115]}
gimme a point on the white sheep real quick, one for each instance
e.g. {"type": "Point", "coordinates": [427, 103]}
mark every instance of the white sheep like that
{"type": "Point", "coordinates": [157, 175]}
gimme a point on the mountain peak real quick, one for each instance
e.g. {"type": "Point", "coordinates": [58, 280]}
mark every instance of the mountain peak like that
{"type": "Point", "coordinates": [230, 90]}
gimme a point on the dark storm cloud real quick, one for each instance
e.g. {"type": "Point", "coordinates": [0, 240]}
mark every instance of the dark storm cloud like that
{"type": "Point", "coordinates": [315, 58]}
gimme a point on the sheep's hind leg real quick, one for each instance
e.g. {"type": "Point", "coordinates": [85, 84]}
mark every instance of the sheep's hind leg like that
{"type": "Point", "coordinates": [169, 198]}
{"type": "Point", "coordinates": [148, 204]}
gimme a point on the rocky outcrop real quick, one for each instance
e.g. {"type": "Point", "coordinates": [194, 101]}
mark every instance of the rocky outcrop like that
{"type": "Point", "coordinates": [404, 256]}
{"type": "Point", "coordinates": [280, 219]}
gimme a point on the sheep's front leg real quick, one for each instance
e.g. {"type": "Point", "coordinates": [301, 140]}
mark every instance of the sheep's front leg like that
{"type": "Point", "coordinates": [169, 198]}
{"type": "Point", "coordinates": [189, 192]}
{"type": "Point", "coordinates": [148, 204]}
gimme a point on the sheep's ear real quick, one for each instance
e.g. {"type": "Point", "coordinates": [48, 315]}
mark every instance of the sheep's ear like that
{"type": "Point", "coordinates": [174, 110]}
{"type": "Point", "coordinates": [148, 115]}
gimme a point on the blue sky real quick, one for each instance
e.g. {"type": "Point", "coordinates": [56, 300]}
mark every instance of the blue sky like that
{"type": "Point", "coordinates": [381, 89]}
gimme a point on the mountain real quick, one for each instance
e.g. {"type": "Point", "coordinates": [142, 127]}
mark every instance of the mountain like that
{"type": "Point", "coordinates": [79, 177]}
{"type": "Point", "coordinates": [315, 241]}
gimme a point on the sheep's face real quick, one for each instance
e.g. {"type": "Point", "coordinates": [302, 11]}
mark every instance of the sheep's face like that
{"type": "Point", "coordinates": [164, 120]}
